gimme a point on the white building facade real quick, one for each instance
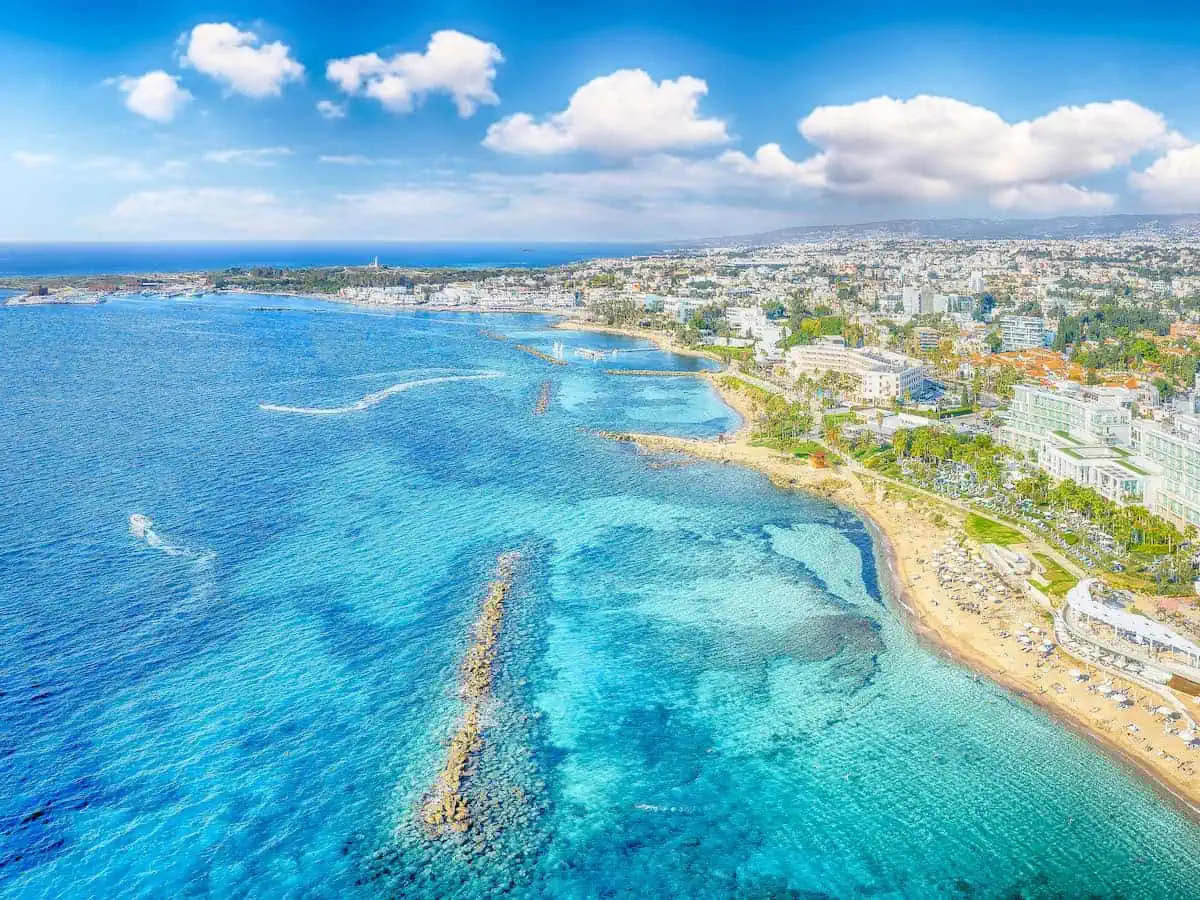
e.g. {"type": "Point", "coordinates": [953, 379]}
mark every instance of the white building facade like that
{"type": "Point", "coordinates": [1091, 437]}
{"type": "Point", "coordinates": [1021, 333]}
{"type": "Point", "coordinates": [884, 377]}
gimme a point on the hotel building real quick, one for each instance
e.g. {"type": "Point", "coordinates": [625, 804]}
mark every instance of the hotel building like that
{"type": "Point", "coordinates": [1091, 437]}
{"type": "Point", "coordinates": [883, 376]}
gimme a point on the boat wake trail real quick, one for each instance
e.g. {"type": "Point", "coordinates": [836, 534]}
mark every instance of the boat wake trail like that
{"type": "Point", "coordinates": [374, 398]}
{"type": "Point", "coordinates": [142, 527]}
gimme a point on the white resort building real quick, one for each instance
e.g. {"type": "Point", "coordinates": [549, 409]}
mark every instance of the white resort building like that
{"type": "Point", "coordinates": [883, 376]}
{"type": "Point", "coordinates": [752, 322]}
{"type": "Point", "coordinates": [1101, 618]}
{"type": "Point", "coordinates": [1090, 436]}
{"type": "Point", "coordinates": [1174, 450]}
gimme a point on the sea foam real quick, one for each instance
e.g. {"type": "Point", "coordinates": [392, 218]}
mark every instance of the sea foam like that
{"type": "Point", "coordinates": [142, 527]}
{"type": "Point", "coordinates": [375, 397]}
{"type": "Point", "coordinates": [204, 588]}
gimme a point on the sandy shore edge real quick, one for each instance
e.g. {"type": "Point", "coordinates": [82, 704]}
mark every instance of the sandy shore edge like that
{"type": "Point", "coordinates": [899, 548]}
{"type": "Point", "coordinates": [661, 341]}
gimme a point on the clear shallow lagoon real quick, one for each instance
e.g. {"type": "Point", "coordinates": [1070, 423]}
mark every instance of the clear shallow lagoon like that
{"type": "Point", "coordinates": [703, 691]}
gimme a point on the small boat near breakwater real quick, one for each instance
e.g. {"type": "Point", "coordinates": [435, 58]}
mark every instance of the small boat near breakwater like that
{"type": "Point", "coordinates": [445, 809]}
{"type": "Point", "coordinates": [588, 353]}
{"type": "Point", "coordinates": [494, 335]}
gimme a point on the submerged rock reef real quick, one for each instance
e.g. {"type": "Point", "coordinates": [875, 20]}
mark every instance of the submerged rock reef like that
{"type": "Point", "coordinates": [543, 400]}
{"type": "Point", "coordinates": [446, 809]}
{"type": "Point", "coordinates": [481, 822]}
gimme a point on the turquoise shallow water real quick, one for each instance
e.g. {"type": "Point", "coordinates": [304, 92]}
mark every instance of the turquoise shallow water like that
{"type": "Point", "coordinates": [702, 691]}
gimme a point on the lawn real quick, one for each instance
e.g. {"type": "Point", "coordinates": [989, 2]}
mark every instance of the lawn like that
{"type": "Point", "coordinates": [1066, 437]}
{"type": "Point", "coordinates": [992, 532]}
{"type": "Point", "coordinates": [728, 353]}
{"type": "Point", "coordinates": [1132, 468]}
{"type": "Point", "coordinates": [801, 449]}
{"type": "Point", "coordinates": [1058, 579]}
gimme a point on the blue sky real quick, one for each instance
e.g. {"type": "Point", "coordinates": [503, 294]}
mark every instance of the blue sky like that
{"type": "Point", "coordinates": [544, 121]}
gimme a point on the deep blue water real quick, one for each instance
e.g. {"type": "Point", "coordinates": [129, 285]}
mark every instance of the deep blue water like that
{"type": "Point", "coordinates": [109, 258]}
{"type": "Point", "coordinates": [703, 690]}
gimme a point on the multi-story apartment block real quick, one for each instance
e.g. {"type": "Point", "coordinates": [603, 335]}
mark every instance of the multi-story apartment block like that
{"type": "Point", "coordinates": [926, 339]}
{"type": "Point", "coordinates": [1021, 332]}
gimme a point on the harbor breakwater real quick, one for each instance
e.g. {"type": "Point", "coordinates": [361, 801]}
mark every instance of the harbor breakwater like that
{"type": "Point", "coordinates": [544, 357]}
{"type": "Point", "coordinates": [446, 808]}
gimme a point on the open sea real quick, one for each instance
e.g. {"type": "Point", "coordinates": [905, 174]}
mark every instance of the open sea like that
{"type": "Point", "coordinates": [703, 688]}
{"type": "Point", "coordinates": [83, 258]}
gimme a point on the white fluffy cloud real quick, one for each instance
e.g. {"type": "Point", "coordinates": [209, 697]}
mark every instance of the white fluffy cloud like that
{"type": "Point", "coordinates": [1172, 182]}
{"type": "Point", "coordinates": [770, 162]}
{"type": "Point", "coordinates": [30, 160]}
{"type": "Point", "coordinates": [254, 156]}
{"type": "Point", "coordinates": [1052, 198]}
{"type": "Point", "coordinates": [626, 113]}
{"type": "Point", "coordinates": [156, 95]}
{"type": "Point", "coordinates": [938, 148]}
{"type": "Point", "coordinates": [327, 109]}
{"type": "Point", "coordinates": [453, 63]}
{"type": "Point", "coordinates": [239, 60]}
{"type": "Point", "coordinates": [208, 213]}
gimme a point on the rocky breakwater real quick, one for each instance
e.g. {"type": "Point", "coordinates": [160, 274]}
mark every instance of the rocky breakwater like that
{"type": "Point", "coordinates": [545, 357]}
{"type": "Point", "coordinates": [543, 400]}
{"type": "Point", "coordinates": [446, 809]}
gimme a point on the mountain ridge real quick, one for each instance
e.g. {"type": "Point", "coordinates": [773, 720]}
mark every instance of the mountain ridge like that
{"type": "Point", "coordinates": [963, 228]}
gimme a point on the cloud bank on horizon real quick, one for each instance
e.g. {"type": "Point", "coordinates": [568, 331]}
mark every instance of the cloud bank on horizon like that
{"type": "Point", "coordinates": [240, 137]}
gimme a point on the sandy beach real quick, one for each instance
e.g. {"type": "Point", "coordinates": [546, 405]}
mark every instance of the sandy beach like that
{"type": "Point", "coordinates": [910, 531]}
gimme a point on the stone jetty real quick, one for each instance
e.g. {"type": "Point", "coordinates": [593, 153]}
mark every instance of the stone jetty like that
{"type": "Point", "coordinates": [445, 810]}
{"type": "Point", "coordinates": [545, 357]}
